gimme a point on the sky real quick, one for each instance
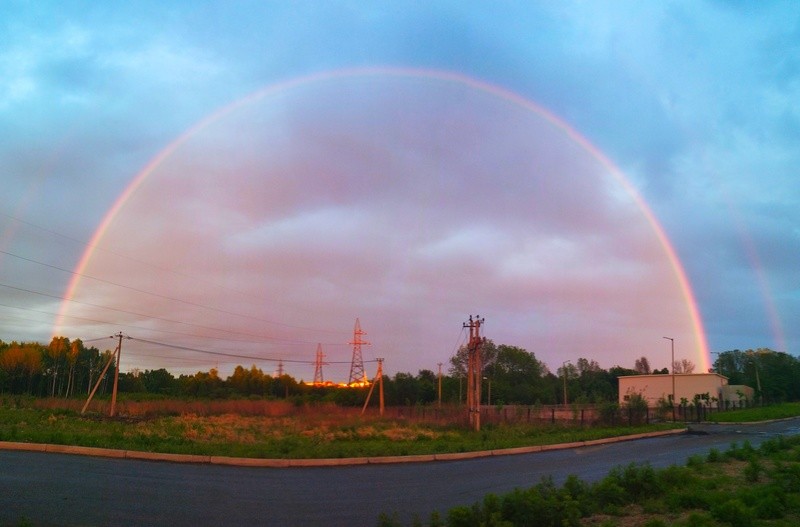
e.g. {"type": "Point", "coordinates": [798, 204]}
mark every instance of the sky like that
{"type": "Point", "coordinates": [239, 182]}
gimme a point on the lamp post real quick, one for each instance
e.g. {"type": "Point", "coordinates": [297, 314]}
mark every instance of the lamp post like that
{"type": "Point", "coordinates": [564, 370]}
{"type": "Point", "coordinates": [672, 368]}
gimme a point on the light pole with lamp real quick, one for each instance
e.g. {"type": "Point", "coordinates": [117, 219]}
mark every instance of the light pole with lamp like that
{"type": "Point", "coordinates": [672, 368]}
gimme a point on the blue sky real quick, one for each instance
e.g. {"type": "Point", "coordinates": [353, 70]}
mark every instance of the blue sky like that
{"type": "Point", "coordinates": [350, 197]}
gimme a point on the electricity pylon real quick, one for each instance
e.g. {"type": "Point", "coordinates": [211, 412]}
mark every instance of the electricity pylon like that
{"type": "Point", "coordinates": [318, 378]}
{"type": "Point", "coordinates": [357, 374]}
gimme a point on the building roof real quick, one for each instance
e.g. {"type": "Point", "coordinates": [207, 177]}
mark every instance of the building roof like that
{"type": "Point", "coordinates": [671, 374]}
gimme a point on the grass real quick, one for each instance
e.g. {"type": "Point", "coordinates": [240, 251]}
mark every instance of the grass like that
{"type": "Point", "coordinates": [741, 487]}
{"type": "Point", "coordinates": [747, 415]}
{"type": "Point", "coordinates": [276, 430]}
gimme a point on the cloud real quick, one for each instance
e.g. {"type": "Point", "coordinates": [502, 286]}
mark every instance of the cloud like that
{"type": "Point", "coordinates": [408, 202]}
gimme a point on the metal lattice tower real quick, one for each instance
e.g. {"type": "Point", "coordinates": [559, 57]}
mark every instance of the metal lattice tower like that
{"type": "Point", "coordinates": [318, 378]}
{"type": "Point", "coordinates": [357, 374]}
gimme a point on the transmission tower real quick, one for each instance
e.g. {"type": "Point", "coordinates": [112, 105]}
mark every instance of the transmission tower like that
{"type": "Point", "coordinates": [357, 374]}
{"type": "Point", "coordinates": [318, 378]}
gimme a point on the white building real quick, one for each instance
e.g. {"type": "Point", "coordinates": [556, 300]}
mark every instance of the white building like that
{"type": "Point", "coordinates": [686, 385]}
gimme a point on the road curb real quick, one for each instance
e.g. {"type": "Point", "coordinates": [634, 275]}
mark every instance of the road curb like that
{"type": "Point", "coordinates": [326, 462]}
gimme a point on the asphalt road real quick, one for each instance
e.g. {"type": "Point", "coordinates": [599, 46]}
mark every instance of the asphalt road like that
{"type": "Point", "coordinates": [59, 489]}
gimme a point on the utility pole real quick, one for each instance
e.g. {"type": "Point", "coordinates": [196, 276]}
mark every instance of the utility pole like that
{"type": "Point", "coordinates": [357, 374]}
{"type": "Point", "coordinates": [440, 385]}
{"type": "Point", "coordinates": [378, 380]}
{"type": "Point", "coordinates": [474, 371]}
{"type": "Point", "coordinates": [116, 375]}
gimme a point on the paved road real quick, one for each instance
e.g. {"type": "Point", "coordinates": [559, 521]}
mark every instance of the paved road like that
{"type": "Point", "coordinates": [58, 489]}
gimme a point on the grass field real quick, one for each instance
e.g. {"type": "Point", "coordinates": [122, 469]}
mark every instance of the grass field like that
{"type": "Point", "coordinates": [263, 429]}
{"type": "Point", "coordinates": [780, 411]}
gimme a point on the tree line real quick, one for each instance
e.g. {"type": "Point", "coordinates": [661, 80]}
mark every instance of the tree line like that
{"type": "Point", "coordinates": [512, 375]}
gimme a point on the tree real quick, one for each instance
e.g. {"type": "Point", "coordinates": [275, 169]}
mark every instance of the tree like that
{"type": "Point", "coordinates": [56, 355]}
{"type": "Point", "coordinates": [458, 362]}
{"type": "Point", "coordinates": [642, 366]}
{"type": "Point", "coordinates": [72, 356]}
{"type": "Point", "coordinates": [427, 386]}
{"type": "Point", "coordinates": [684, 366]}
{"type": "Point", "coordinates": [587, 366]}
{"type": "Point", "coordinates": [515, 375]}
{"type": "Point", "coordinates": [21, 362]}
{"type": "Point", "coordinates": [159, 381]}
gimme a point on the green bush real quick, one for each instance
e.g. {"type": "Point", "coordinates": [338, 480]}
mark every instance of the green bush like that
{"type": "Point", "coordinates": [609, 413]}
{"type": "Point", "coordinates": [769, 507]}
{"type": "Point", "coordinates": [688, 499]}
{"type": "Point", "coordinates": [734, 513]}
{"type": "Point", "coordinates": [698, 519]}
{"type": "Point", "coordinates": [753, 470]}
{"type": "Point", "coordinates": [636, 409]}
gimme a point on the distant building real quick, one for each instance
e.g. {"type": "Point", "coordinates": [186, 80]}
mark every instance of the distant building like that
{"type": "Point", "coordinates": [656, 387]}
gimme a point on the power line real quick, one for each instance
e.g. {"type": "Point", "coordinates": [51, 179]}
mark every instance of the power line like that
{"type": "Point", "coordinates": [165, 297]}
{"type": "Point", "coordinates": [232, 355]}
{"type": "Point", "coordinates": [229, 331]}
{"type": "Point", "coordinates": [95, 247]}
{"type": "Point", "coordinates": [167, 331]}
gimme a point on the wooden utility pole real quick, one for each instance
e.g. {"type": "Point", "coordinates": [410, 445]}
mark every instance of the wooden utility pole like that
{"type": "Point", "coordinates": [116, 376]}
{"type": "Point", "coordinates": [440, 385]}
{"type": "Point", "coordinates": [378, 380]}
{"type": "Point", "coordinates": [114, 355]}
{"type": "Point", "coordinates": [474, 371]}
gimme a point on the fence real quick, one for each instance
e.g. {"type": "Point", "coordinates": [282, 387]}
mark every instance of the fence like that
{"type": "Point", "coordinates": [582, 415]}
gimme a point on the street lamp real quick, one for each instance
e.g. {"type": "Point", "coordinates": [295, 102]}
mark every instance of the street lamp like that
{"type": "Point", "coordinates": [672, 345]}
{"type": "Point", "coordinates": [564, 369]}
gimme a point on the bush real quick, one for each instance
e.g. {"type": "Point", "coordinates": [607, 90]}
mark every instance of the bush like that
{"type": "Point", "coordinates": [733, 512]}
{"type": "Point", "coordinates": [609, 413]}
{"type": "Point", "coordinates": [752, 471]}
{"type": "Point", "coordinates": [636, 409]}
{"type": "Point", "coordinates": [699, 519]}
{"type": "Point", "coordinates": [769, 507]}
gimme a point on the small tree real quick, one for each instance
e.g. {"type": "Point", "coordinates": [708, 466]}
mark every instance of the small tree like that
{"type": "Point", "coordinates": [636, 409]}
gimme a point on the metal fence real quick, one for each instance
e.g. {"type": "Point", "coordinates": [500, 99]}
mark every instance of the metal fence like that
{"type": "Point", "coordinates": [580, 415]}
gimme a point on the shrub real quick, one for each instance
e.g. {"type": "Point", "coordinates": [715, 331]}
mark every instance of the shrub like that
{"type": "Point", "coordinates": [769, 507]}
{"type": "Point", "coordinates": [699, 519]}
{"type": "Point", "coordinates": [609, 413]}
{"type": "Point", "coordinates": [688, 499]}
{"type": "Point", "coordinates": [636, 409]}
{"type": "Point", "coordinates": [752, 471]}
{"type": "Point", "coordinates": [695, 461]}
{"type": "Point", "coordinates": [733, 512]}
{"type": "Point", "coordinates": [608, 492]}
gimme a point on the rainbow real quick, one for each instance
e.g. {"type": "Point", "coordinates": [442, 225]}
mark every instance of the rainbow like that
{"type": "Point", "coordinates": [444, 76]}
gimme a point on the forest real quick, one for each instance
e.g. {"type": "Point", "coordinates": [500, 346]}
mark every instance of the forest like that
{"type": "Point", "coordinates": [512, 375]}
